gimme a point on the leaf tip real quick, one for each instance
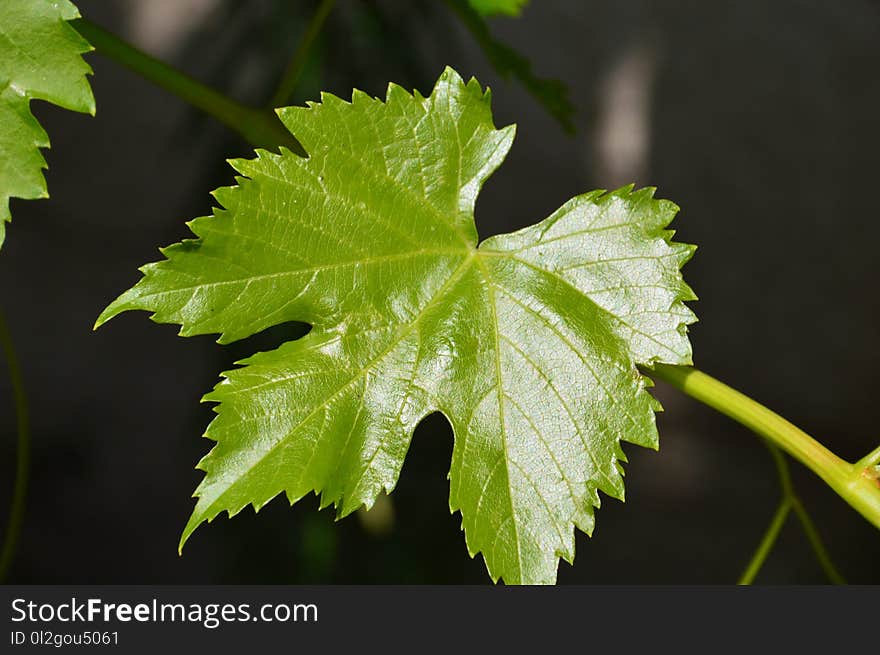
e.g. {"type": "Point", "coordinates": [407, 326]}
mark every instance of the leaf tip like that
{"type": "Point", "coordinates": [508, 133]}
{"type": "Point", "coordinates": [449, 74]}
{"type": "Point", "coordinates": [125, 302]}
{"type": "Point", "coordinates": [182, 542]}
{"type": "Point", "coordinates": [195, 520]}
{"type": "Point", "coordinates": [109, 312]}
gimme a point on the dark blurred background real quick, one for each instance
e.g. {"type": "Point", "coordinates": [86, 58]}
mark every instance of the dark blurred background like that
{"type": "Point", "coordinates": [759, 118]}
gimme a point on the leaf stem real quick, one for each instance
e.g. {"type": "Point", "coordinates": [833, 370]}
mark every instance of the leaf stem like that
{"type": "Point", "coordinates": [22, 460]}
{"type": "Point", "coordinates": [792, 502]}
{"type": "Point", "coordinates": [855, 483]}
{"type": "Point", "coordinates": [258, 127]}
{"type": "Point", "coordinates": [766, 544]}
{"type": "Point", "coordinates": [789, 494]}
{"type": "Point", "coordinates": [815, 540]}
{"type": "Point", "coordinates": [291, 74]}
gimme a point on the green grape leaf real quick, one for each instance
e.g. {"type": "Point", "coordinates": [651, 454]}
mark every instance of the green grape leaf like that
{"type": "Point", "coordinates": [494, 7]}
{"type": "Point", "coordinates": [528, 342]}
{"type": "Point", "coordinates": [41, 59]}
{"type": "Point", "coordinates": [552, 94]}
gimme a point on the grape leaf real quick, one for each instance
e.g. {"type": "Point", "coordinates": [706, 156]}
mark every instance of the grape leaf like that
{"type": "Point", "coordinates": [41, 59]}
{"type": "Point", "coordinates": [493, 7]}
{"type": "Point", "coordinates": [527, 343]}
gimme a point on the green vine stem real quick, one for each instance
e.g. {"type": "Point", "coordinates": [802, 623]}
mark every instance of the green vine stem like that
{"type": "Point", "coordinates": [291, 74]}
{"type": "Point", "coordinates": [858, 484]}
{"type": "Point", "coordinates": [260, 128]}
{"type": "Point", "coordinates": [22, 460]}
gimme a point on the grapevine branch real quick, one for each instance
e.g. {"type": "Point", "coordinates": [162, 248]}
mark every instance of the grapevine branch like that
{"type": "Point", "coordinates": [259, 127]}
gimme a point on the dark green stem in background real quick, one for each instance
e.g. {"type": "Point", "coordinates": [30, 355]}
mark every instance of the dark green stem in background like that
{"type": "Point", "coordinates": [22, 460]}
{"type": "Point", "coordinates": [857, 484]}
{"type": "Point", "coordinates": [260, 128]}
{"type": "Point", "coordinates": [291, 74]}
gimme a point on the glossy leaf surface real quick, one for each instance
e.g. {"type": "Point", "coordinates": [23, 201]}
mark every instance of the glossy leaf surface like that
{"type": "Point", "coordinates": [527, 342]}
{"type": "Point", "coordinates": [40, 58]}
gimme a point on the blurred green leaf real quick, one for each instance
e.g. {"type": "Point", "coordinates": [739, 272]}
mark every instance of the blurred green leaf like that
{"type": "Point", "coordinates": [493, 7]}
{"type": "Point", "coordinates": [552, 94]}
